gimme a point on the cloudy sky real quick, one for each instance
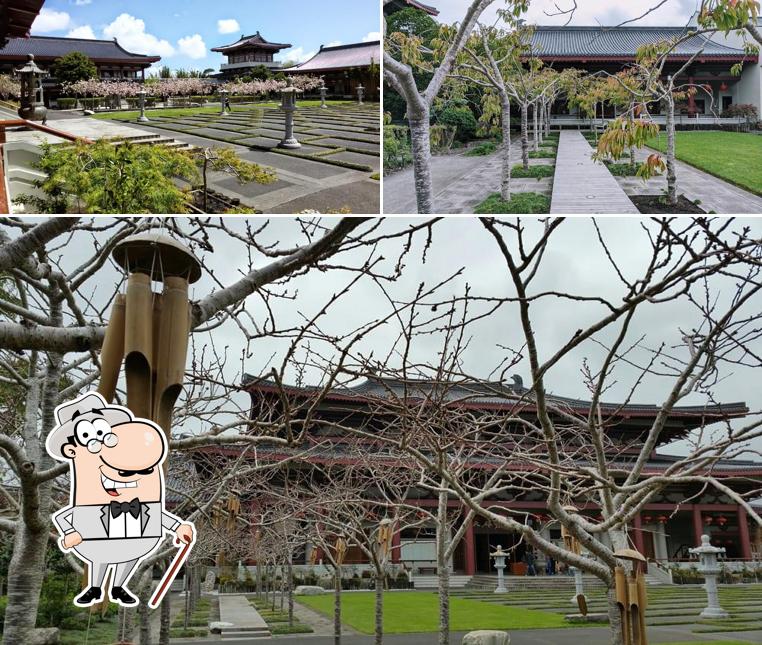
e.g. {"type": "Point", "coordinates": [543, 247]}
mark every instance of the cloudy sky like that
{"type": "Point", "coordinates": [182, 32]}
{"type": "Point", "coordinates": [589, 12]}
{"type": "Point", "coordinates": [574, 262]}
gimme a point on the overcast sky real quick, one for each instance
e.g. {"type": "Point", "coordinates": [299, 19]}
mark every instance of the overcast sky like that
{"type": "Point", "coordinates": [588, 12]}
{"type": "Point", "coordinates": [574, 262]}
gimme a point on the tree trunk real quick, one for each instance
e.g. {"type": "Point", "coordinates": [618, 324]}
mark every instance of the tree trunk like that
{"type": "Point", "coordinates": [379, 608]}
{"type": "Point", "coordinates": [505, 180]}
{"type": "Point", "coordinates": [671, 172]}
{"type": "Point", "coordinates": [632, 156]}
{"type": "Point", "coordinates": [547, 119]}
{"type": "Point", "coordinates": [337, 607]}
{"type": "Point", "coordinates": [420, 141]}
{"type": "Point", "coordinates": [290, 588]}
{"type": "Point", "coordinates": [615, 618]}
{"type": "Point", "coordinates": [443, 570]}
{"type": "Point", "coordinates": [525, 136]}
{"type": "Point", "coordinates": [144, 594]}
{"type": "Point", "coordinates": [535, 127]}
{"type": "Point", "coordinates": [164, 625]}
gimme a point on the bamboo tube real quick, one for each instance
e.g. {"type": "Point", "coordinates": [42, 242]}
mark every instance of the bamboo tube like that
{"type": "Point", "coordinates": [138, 344]}
{"type": "Point", "coordinates": [112, 352]}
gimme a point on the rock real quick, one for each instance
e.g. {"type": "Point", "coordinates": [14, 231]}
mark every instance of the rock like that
{"type": "Point", "coordinates": [308, 590]}
{"type": "Point", "coordinates": [487, 637]}
{"type": "Point", "coordinates": [88, 112]}
{"type": "Point", "coordinates": [218, 626]}
{"type": "Point", "coordinates": [590, 618]}
{"type": "Point", "coordinates": [43, 636]}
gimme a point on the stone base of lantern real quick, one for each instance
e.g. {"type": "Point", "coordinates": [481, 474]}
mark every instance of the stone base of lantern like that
{"type": "Point", "coordinates": [714, 612]}
{"type": "Point", "coordinates": [143, 119]}
{"type": "Point", "coordinates": [289, 144]}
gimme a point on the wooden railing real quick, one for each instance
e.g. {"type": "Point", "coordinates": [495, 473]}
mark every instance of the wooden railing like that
{"type": "Point", "coordinates": [25, 125]}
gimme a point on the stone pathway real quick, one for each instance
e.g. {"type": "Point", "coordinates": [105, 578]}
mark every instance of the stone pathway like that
{"type": "Point", "coordinates": [713, 193]}
{"type": "Point", "coordinates": [460, 183]}
{"type": "Point", "coordinates": [245, 619]}
{"type": "Point", "coordinates": [582, 185]}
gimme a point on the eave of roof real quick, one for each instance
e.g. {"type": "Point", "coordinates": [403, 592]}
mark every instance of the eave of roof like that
{"type": "Point", "coordinates": [49, 48]}
{"type": "Point", "coordinates": [415, 4]}
{"type": "Point", "coordinates": [255, 41]}
{"type": "Point", "coordinates": [341, 57]}
{"type": "Point", "coordinates": [19, 16]}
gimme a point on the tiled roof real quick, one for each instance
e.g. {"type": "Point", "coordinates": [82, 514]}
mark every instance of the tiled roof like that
{"type": "Point", "coordinates": [256, 40]}
{"type": "Point", "coordinates": [50, 48]}
{"type": "Point", "coordinates": [341, 57]}
{"type": "Point", "coordinates": [502, 395]}
{"type": "Point", "coordinates": [621, 42]}
{"type": "Point", "coordinates": [398, 5]}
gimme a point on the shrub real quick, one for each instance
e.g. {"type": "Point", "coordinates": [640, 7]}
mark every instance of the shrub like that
{"type": "Point", "coordinates": [483, 149]}
{"type": "Point", "coordinates": [67, 104]}
{"type": "Point", "coordinates": [746, 110]}
{"type": "Point", "coordinates": [534, 172]}
{"type": "Point", "coordinates": [519, 203]}
{"type": "Point", "coordinates": [397, 150]}
{"type": "Point", "coordinates": [442, 137]}
{"type": "Point", "coordinates": [461, 118]}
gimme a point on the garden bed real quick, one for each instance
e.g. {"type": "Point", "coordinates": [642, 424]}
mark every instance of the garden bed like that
{"type": "Point", "coordinates": [657, 205]}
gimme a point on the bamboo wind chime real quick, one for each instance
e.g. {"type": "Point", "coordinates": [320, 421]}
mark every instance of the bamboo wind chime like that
{"type": "Point", "coordinates": [631, 598]}
{"type": "Point", "coordinates": [148, 331]}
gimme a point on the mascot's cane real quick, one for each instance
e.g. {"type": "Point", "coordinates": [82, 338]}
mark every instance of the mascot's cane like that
{"type": "Point", "coordinates": [169, 576]}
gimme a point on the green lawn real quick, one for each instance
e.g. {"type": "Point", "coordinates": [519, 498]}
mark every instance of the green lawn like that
{"type": "Point", "coordinates": [733, 156]}
{"type": "Point", "coordinates": [411, 611]}
{"type": "Point", "coordinates": [128, 115]}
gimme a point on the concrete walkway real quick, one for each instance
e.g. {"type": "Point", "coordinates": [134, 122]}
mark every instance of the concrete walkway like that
{"type": "Point", "coordinates": [582, 185]}
{"type": "Point", "coordinates": [244, 618]}
{"type": "Point", "coordinates": [460, 183]}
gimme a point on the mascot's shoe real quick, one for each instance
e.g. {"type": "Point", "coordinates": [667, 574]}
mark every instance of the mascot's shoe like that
{"type": "Point", "coordinates": [123, 596]}
{"type": "Point", "coordinates": [89, 597]}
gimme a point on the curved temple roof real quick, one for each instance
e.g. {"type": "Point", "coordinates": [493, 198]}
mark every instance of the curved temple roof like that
{"type": "Point", "coordinates": [17, 16]}
{"type": "Point", "coordinates": [341, 57]}
{"type": "Point", "coordinates": [50, 48]}
{"type": "Point", "coordinates": [598, 42]}
{"type": "Point", "coordinates": [256, 41]}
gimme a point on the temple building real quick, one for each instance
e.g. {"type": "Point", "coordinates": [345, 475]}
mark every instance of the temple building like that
{"type": "Point", "coordinates": [399, 5]}
{"type": "Point", "coordinates": [612, 49]}
{"type": "Point", "coordinates": [248, 53]}
{"type": "Point", "coordinates": [16, 18]}
{"type": "Point", "coordinates": [665, 529]}
{"type": "Point", "coordinates": [344, 68]}
{"type": "Point", "coordinates": [109, 57]}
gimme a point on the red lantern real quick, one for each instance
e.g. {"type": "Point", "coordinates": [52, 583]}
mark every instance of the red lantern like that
{"type": "Point", "coordinates": [724, 86]}
{"type": "Point", "coordinates": [662, 519]}
{"type": "Point", "coordinates": [647, 519]}
{"type": "Point", "coordinates": [722, 520]}
{"type": "Point", "coordinates": [708, 519]}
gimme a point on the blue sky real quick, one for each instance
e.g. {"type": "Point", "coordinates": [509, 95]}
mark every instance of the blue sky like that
{"type": "Point", "coordinates": [183, 32]}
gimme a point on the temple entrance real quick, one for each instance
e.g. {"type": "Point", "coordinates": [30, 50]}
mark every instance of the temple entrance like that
{"type": "Point", "coordinates": [486, 541]}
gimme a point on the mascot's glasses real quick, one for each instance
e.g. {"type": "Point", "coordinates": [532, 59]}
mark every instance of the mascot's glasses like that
{"type": "Point", "coordinates": [93, 434]}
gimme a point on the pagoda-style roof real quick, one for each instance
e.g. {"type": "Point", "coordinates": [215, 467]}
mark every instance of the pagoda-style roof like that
{"type": "Point", "coordinates": [330, 59]}
{"type": "Point", "coordinates": [399, 5]}
{"type": "Point", "coordinates": [598, 43]}
{"type": "Point", "coordinates": [49, 48]}
{"type": "Point", "coordinates": [255, 41]}
{"type": "Point", "coordinates": [622, 419]}
{"type": "Point", "coordinates": [17, 16]}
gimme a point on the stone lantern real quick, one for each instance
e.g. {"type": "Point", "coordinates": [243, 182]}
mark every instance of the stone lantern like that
{"type": "Point", "coordinates": [323, 93]}
{"type": "Point", "coordinates": [223, 96]}
{"type": "Point", "coordinates": [709, 566]}
{"type": "Point", "coordinates": [143, 118]}
{"type": "Point", "coordinates": [360, 93]}
{"type": "Point", "coordinates": [288, 105]}
{"type": "Point", "coordinates": [499, 556]}
{"type": "Point", "coordinates": [32, 104]}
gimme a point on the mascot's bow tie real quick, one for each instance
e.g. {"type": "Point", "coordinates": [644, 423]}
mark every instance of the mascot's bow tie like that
{"type": "Point", "coordinates": [133, 508]}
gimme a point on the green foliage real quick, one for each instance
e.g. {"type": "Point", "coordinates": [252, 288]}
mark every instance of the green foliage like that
{"type": "Point", "coordinates": [746, 110]}
{"type": "Point", "coordinates": [73, 67]}
{"type": "Point", "coordinates": [533, 172]}
{"type": "Point", "coordinates": [483, 149]}
{"type": "Point", "coordinates": [530, 203]}
{"type": "Point", "coordinates": [67, 104]}
{"type": "Point", "coordinates": [461, 118]}
{"type": "Point", "coordinates": [296, 628]}
{"type": "Point", "coordinates": [442, 137]}
{"type": "Point", "coordinates": [542, 154]}
{"type": "Point", "coordinates": [397, 151]}
{"type": "Point", "coordinates": [622, 169]}
{"type": "Point", "coordinates": [104, 178]}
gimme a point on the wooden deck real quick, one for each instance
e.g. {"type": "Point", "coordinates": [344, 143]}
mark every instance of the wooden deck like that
{"type": "Point", "coordinates": [583, 186]}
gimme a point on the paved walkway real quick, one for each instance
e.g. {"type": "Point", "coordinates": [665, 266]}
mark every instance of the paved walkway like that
{"type": "Point", "coordinates": [245, 619]}
{"type": "Point", "coordinates": [714, 194]}
{"type": "Point", "coordinates": [582, 185]}
{"type": "Point", "coordinates": [460, 183]}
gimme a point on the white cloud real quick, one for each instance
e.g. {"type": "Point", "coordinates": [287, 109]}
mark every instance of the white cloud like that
{"type": "Point", "coordinates": [131, 34]}
{"type": "Point", "coordinates": [296, 55]}
{"type": "Point", "coordinates": [228, 26]}
{"type": "Point", "coordinates": [192, 46]}
{"type": "Point", "coordinates": [84, 31]}
{"type": "Point", "coordinates": [51, 20]}
{"type": "Point", "coordinates": [372, 37]}
{"type": "Point", "coordinates": [334, 43]}
{"type": "Point", "coordinates": [82, 3]}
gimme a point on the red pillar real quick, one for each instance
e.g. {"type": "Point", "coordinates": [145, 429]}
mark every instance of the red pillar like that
{"type": "Point", "coordinates": [691, 99]}
{"type": "Point", "coordinates": [470, 550]}
{"type": "Point", "coordinates": [743, 532]}
{"type": "Point", "coordinates": [396, 549]}
{"type": "Point", "coordinates": [698, 525]}
{"type": "Point", "coordinates": [637, 526]}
